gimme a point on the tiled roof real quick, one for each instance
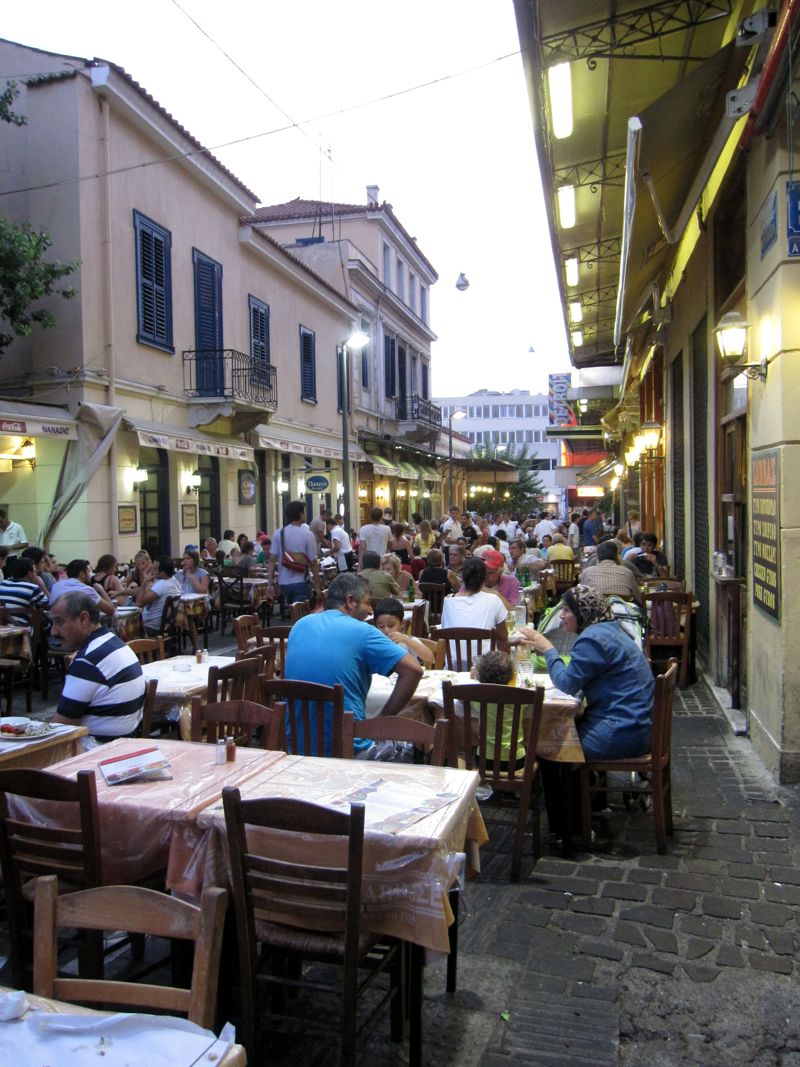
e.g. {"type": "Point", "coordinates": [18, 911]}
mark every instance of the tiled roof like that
{"type": "Point", "coordinates": [56, 76]}
{"type": "Point", "coordinates": [320, 209]}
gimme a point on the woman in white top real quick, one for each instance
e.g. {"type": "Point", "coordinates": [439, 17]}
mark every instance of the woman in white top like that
{"type": "Point", "coordinates": [473, 607]}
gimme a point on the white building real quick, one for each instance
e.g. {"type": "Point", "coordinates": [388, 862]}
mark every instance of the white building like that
{"type": "Point", "coordinates": [516, 418]}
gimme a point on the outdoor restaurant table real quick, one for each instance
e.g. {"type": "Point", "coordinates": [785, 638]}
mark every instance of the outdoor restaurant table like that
{"type": "Point", "coordinates": [9, 1033]}
{"type": "Point", "coordinates": [256, 589]}
{"type": "Point", "coordinates": [179, 679]}
{"type": "Point", "coordinates": [148, 826]}
{"type": "Point", "coordinates": [37, 752]}
{"type": "Point", "coordinates": [15, 642]}
{"type": "Point", "coordinates": [409, 866]}
{"type": "Point", "coordinates": [558, 736]}
{"type": "Point", "coordinates": [127, 622]}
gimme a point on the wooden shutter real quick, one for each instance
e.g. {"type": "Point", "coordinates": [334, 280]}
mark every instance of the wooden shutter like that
{"type": "Point", "coordinates": [154, 282]}
{"type": "Point", "coordinates": [207, 303]}
{"type": "Point", "coordinates": [308, 369]}
{"type": "Point", "coordinates": [424, 381]}
{"type": "Point", "coordinates": [259, 331]}
{"type": "Point", "coordinates": [389, 366]}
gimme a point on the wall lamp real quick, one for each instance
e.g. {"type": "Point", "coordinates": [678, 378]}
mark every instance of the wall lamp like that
{"type": "Point", "coordinates": [139, 475]}
{"type": "Point", "coordinates": [731, 333]}
{"type": "Point", "coordinates": [193, 483]}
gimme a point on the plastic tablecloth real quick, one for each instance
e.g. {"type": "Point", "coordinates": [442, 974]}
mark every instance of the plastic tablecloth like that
{"type": "Point", "coordinates": [407, 873]}
{"type": "Point", "coordinates": [148, 826]}
{"type": "Point", "coordinates": [179, 679]}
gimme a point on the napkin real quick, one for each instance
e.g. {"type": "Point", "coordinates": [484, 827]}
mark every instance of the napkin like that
{"type": "Point", "coordinates": [13, 1005]}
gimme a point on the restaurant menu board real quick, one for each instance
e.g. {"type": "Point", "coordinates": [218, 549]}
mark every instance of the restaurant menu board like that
{"type": "Point", "coordinates": [766, 511]}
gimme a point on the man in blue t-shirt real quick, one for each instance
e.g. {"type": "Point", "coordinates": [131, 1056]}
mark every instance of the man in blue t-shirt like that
{"type": "Point", "coordinates": [336, 646]}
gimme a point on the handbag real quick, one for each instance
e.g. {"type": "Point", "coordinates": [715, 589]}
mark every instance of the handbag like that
{"type": "Point", "coordinates": [292, 561]}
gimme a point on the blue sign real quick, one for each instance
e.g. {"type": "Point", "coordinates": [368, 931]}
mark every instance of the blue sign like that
{"type": "Point", "coordinates": [316, 484]}
{"type": "Point", "coordinates": [793, 218]}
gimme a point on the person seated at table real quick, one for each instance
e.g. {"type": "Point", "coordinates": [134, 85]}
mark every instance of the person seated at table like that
{"type": "Point", "coordinates": [390, 564]}
{"type": "Point", "coordinates": [247, 558]}
{"type": "Point", "coordinates": [523, 557]}
{"type": "Point", "coordinates": [80, 579]}
{"type": "Point", "coordinates": [399, 544]}
{"type": "Point", "coordinates": [472, 606]}
{"type": "Point", "coordinates": [389, 619]}
{"type": "Point", "coordinates": [336, 646]}
{"type": "Point", "coordinates": [651, 562]}
{"type": "Point", "coordinates": [263, 541]}
{"type": "Point", "coordinates": [609, 668]}
{"type": "Point", "coordinates": [559, 549]}
{"type": "Point", "coordinates": [105, 575]}
{"type": "Point", "coordinates": [104, 685]}
{"type": "Point", "coordinates": [608, 576]}
{"type": "Point", "coordinates": [438, 574]}
{"type": "Point", "coordinates": [498, 668]}
{"type": "Point", "coordinates": [193, 578]}
{"type": "Point", "coordinates": [502, 585]}
{"type": "Point", "coordinates": [41, 561]}
{"type": "Point", "coordinates": [20, 590]}
{"type": "Point", "coordinates": [208, 553]}
{"type": "Point", "coordinates": [416, 564]}
{"type": "Point", "coordinates": [227, 544]}
{"type": "Point", "coordinates": [380, 582]}
{"type": "Point", "coordinates": [153, 594]}
{"type": "Point", "coordinates": [140, 571]}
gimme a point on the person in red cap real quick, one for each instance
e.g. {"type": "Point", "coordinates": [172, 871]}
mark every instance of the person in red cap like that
{"type": "Point", "coordinates": [505, 586]}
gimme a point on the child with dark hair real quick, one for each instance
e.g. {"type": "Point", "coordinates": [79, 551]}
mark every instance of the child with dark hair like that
{"type": "Point", "coordinates": [389, 619]}
{"type": "Point", "coordinates": [498, 668]}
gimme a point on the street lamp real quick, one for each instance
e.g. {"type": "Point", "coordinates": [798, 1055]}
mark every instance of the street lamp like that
{"type": "Point", "coordinates": [458, 414]}
{"type": "Point", "coordinates": [356, 341]}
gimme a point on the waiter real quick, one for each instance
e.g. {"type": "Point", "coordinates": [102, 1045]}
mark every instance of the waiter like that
{"type": "Point", "coordinates": [12, 536]}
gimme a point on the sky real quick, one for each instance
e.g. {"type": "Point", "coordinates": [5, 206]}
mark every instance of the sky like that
{"type": "Point", "coordinates": [436, 115]}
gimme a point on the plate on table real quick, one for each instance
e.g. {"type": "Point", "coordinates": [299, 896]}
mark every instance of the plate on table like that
{"type": "Point", "coordinates": [19, 728]}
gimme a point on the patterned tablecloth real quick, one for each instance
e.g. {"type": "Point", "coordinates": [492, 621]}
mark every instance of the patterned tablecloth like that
{"type": "Point", "coordinates": [191, 606]}
{"type": "Point", "coordinates": [127, 623]}
{"type": "Point", "coordinates": [15, 642]}
{"type": "Point", "coordinates": [179, 679]}
{"type": "Point", "coordinates": [256, 589]}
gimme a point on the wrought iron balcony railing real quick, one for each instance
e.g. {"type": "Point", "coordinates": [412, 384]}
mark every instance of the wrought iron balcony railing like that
{"type": "Point", "coordinates": [230, 374]}
{"type": "Point", "coordinates": [418, 409]}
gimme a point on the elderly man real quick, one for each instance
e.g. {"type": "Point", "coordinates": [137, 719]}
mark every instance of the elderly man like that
{"type": "Point", "coordinates": [104, 686]}
{"type": "Point", "coordinates": [505, 586]}
{"type": "Point", "coordinates": [336, 646]}
{"type": "Point", "coordinates": [559, 549]}
{"type": "Point", "coordinates": [609, 577]}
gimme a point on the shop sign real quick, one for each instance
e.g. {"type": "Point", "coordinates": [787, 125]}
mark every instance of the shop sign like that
{"type": "Point", "coordinates": [316, 484]}
{"type": "Point", "coordinates": [183, 444]}
{"type": "Point", "coordinates": [560, 409]}
{"type": "Point", "coordinates": [156, 440]}
{"type": "Point", "coordinates": [51, 429]}
{"type": "Point", "coordinates": [12, 426]}
{"type": "Point", "coordinates": [204, 448]}
{"type": "Point", "coordinates": [765, 487]}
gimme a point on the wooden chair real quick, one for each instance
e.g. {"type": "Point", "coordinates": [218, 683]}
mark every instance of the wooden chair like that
{"type": "Point", "coordinates": [564, 575]}
{"type": "Point", "coordinates": [149, 719]}
{"type": "Point", "coordinates": [239, 719]}
{"type": "Point", "coordinates": [274, 896]}
{"type": "Point", "coordinates": [656, 764]}
{"type": "Point", "coordinates": [169, 631]}
{"type": "Point", "coordinates": [137, 911]}
{"type": "Point", "coordinates": [265, 654]}
{"type": "Point", "coordinates": [463, 644]}
{"type": "Point", "coordinates": [244, 629]}
{"type": "Point", "coordinates": [14, 669]}
{"type": "Point", "coordinates": [29, 848]}
{"type": "Point", "coordinates": [439, 650]}
{"type": "Point", "coordinates": [434, 593]}
{"type": "Point", "coordinates": [298, 610]}
{"type": "Point", "coordinates": [276, 636]}
{"type": "Point", "coordinates": [233, 598]}
{"type": "Point", "coordinates": [433, 739]}
{"type": "Point", "coordinates": [415, 624]}
{"type": "Point", "coordinates": [235, 681]}
{"type": "Point", "coordinates": [519, 774]}
{"type": "Point", "coordinates": [309, 709]}
{"type": "Point", "coordinates": [148, 649]}
{"type": "Point", "coordinates": [669, 626]}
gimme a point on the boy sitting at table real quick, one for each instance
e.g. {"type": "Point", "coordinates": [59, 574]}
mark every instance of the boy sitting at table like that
{"type": "Point", "coordinates": [498, 668]}
{"type": "Point", "coordinates": [389, 619]}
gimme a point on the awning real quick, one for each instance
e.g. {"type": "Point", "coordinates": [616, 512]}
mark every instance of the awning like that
{"type": "Point", "coordinates": [598, 471]}
{"type": "Point", "coordinates": [36, 420]}
{"type": "Point", "coordinates": [190, 442]}
{"type": "Point", "coordinates": [430, 474]}
{"type": "Point", "coordinates": [305, 443]}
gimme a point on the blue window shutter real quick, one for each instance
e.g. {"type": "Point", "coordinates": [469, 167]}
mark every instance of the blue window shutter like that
{"type": "Point", "coordinates": [207, 303]}
{"type": "Point", "coordinates": [259, 330]}
{"type": "Point", "coordinates": [308, 365]}
{"type": "Point", "coordinates": [424, 381]}
{"type": "Point", "coordinates": [365, 367]}
{"type": "Point", "coordinates": [389, 366]}
{"type": "Point", "coordinates": [153, 283]}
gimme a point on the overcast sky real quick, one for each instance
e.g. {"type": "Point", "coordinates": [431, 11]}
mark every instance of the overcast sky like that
{"type": "Point", "coordinates": [455, 158]}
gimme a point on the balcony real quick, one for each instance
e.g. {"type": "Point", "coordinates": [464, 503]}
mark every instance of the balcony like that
{"type": "Point", "coordinates": [420, 419]}
{"type": "Point", "coordinates": [225, 383]}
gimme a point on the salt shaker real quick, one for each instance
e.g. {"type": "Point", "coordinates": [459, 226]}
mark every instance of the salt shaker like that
{"type": "Point", "coordinates": [220, 752]}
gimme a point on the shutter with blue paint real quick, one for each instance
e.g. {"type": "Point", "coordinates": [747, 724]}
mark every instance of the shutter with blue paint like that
{"type": "Point", "coordinates": [208, 325]}
{"type": "Point", "coordinates": [389, 366]}
{"type": "Point", "coordinates": [153, 282]}
{"type": "Point", "coordinates": [308, 369]}
{"type": "Point", "coordinates": [259, 340]}
{"type": "Point", "coordinates": [424, 381]}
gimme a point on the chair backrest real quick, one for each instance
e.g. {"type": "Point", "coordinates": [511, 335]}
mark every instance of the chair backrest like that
{"type": "Point", "coordinates": [137, 911]}
{"type": "Point", "coordinates": [434, 593]}
{"type": "Point", "coordinates": [277, 636]}
{"type": "Point", "coordinates": [661, 745]}
{"type": "Point", "coordinates": [299, 610]}
{"type": "Point", "coordinates": [314, 716]}
{"type": "Point", "coordinates": [147, 649]}
{"type": "Point", "coordinates": [238, 719]}
{"type": "Point", "coordinates": [398, 728]}
{"type": "Point", "coordinates": [244, 629]}
{"type": "Point", "coordinates": [297, 893]}
{"type": "Point", "coordinates": [168, 627]}
{"type": "Point", "coordinates": [414, 624]}
{"type": "Point", "coordinates": [265, 654]}
{"type": "Point", "coordinates": [234, 681]}
{"type": "Point", "coordinates": [509, 718]}
{"type": "Point", "coordinates": [463, 644]}
{"type": "Point", "coordinates": [149, 706]}
{"type": "Point", "coordinates": [563, 573]}
{"type": "Point", "coordinates": [669, 618]}
{"type": "Point", "coordinates": [31, 846]}
{"type": "Point", "coordinates": [439, 650]}
{"type": "Point", "coordinates": [231, 586]}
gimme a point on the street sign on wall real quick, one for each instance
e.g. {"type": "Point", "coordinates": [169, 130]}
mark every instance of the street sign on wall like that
{"type": "Point", "coordinates": [765, 535]}
{"type": "Point", "coordinates": [316, 484]}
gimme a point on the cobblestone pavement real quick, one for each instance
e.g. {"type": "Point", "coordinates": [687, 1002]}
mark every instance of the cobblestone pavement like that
{"type": "Point", "coordinates": [622, 956]}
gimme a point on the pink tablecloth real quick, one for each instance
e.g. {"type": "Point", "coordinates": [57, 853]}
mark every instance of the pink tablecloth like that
{"type": "Point", "coordinates": [147, 826]}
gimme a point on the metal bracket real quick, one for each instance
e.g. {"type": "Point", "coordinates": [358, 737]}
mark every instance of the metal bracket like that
{"type": "Point", "coordinates": [739, 102]}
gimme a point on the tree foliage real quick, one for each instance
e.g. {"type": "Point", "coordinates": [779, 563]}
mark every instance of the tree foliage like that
{"type": "Point", "coordinates": [520, 497]}
{"type": "Point", "coordinates": [25, 276]}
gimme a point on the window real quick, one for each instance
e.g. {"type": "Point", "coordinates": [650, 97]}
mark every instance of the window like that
{"type": "Point", "coordinates": [259, 331]}
{"type": "Point", "coordinates": [529, 436]}
{"type": "Point", "coordinates": [365, 367]}
{"type": "Point", "coordinates": [471, 435]}
{"type": "Point", "coordinates": [529, 409]}
{"type": "Point", "coordinates": [414, 363]}
{"type": "Point", "coordinates": [495, 411]}
{"type": "Point", "coordinates": [153, 283]}
{"type": "Point", "coordinates": [389, 369]}
{"type": "Point", "coordinates": [520, 435]}
{"type": "Point", "coordinates": [340, 385]}
{"type": "Point", "coordinates": [424, 381]}
{"type": "Point", "coordinates": [308, 364]}
{"type": "Point", "coordinates": [401, 279]}
{"type": "Point", "coordinates": [423, 303]}
{"type": "Point", "coordinates": [412, 291]}
{"type": "Point", "coordinates": [387, 266]}
{"type": "Point", "coordinates": [537, 436]}
{"type": "Point", "coordinates": [503, 410]}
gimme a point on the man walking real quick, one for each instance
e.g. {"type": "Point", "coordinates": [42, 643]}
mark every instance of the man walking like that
{"type": "Point", "coordinates": [293, 553]}
{"type": "Point", "coordinates": [374, 535]}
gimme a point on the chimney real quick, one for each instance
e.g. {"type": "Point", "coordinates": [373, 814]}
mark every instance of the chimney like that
{"type": "Point", "coordinates": [372, 195]}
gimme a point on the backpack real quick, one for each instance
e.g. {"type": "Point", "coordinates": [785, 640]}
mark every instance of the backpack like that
{"type": "Point", "coordinates": [292, 561]}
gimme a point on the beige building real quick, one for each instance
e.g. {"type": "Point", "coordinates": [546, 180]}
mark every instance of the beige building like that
{"type": "Point", "coordinates": [191, 385]}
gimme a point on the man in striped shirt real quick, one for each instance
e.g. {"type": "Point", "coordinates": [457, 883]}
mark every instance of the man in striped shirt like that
{"type": "Point", "coordinates": [104, 686]}
{"type": "Point", "coordinates": [21, 589]}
